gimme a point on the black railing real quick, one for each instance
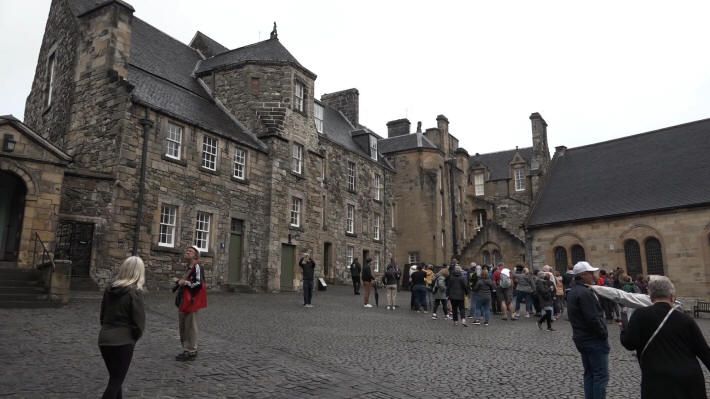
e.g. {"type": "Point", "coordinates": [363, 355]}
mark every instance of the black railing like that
{"type": "Point", "coordinates": [45, 257]}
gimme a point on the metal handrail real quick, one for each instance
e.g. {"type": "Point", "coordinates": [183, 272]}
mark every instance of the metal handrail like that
{"type": "Point", "coordinates": [45, 253]}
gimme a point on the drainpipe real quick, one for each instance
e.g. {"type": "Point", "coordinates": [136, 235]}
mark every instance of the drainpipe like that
{"type": "Point", "coordinates": [147, 125]}
{"type": "Point", "coordinates": [451, 162]}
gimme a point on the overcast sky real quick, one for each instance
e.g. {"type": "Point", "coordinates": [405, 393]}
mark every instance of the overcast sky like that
{"type": "Point", "coordinates": [594, 70]}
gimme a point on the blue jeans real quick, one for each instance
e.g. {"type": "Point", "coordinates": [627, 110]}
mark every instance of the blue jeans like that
{"type": "Point", "coordinates": [419, 292]}
{"type": "Point", "coordinates": [474, 306]}
{"type": "Point", "coordinates": [595, 359]}
{"type": "Point", "coordinates": [528, 301]}
{"type": "Point", "coordinates": [484, 308]}
{"type": "Point", "coordinates": [307, 291]}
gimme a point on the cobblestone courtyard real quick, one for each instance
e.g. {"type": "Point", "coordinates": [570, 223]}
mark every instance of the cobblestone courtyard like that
{"type": "Point", "coordinates": [268, 346]}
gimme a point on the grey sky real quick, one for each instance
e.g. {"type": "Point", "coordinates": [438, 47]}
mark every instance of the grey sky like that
{"type": "Point", "coordinates": [594, 70]}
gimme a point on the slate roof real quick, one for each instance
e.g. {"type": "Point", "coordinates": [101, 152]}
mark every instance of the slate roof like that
{"type": "Point", "coordinates": [211, 46]}
{"type": "Point", "coordinates": [405, 142]}
{"type": "Point", "coordinates": [271, 51]}
{"type": "Point", "coordinates": [80, 7]}
{"type": "Point", "coordinates": [657, 170]}
{"type": "Point", "coordinates": [498, 163]}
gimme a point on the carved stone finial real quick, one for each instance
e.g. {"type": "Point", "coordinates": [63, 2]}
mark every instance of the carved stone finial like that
{"type": "Point", "coordinates": [419, 127]}
{"type": "Point", "coordinates": [274, 34]}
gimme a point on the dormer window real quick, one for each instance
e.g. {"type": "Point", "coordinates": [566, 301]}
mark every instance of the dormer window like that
{"type": "Point", "coordinates": [373, 147]}
{"type": "Point", "coordinates": [478, 183]}
{"type": "Point", "coordinates": [318, 117]}
{"type": "Point", "coordinates": [519, 174]}
{"type": "Point", "coordinates": [299, 94]}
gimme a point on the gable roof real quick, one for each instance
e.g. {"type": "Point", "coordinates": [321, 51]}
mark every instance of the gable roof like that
{"type": "Point", "coordinates": [47, 145]}
{"type": "Point", "coordinates": [81, 7]}
{"type": "Point", "coordinates": [405, 142]}
{"type": "Point", "coordinates": [498, 163]}
{"type": "Point", "coordinates": [206, 45]}
{"type": "Point", "coordinates": [657, 170]}
{"type": "Point", "coordinates": [160, 69]}
{"type": "Point", "coordinates": [269, 51]}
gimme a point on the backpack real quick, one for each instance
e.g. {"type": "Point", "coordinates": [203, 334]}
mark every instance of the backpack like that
{"type": "Point", "coordinates": [505, 281]}
{"type": "Point", "coordinates": [433, 285]}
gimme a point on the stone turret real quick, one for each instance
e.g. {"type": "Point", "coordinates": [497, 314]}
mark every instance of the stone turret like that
{"type": "Point", "coordinates": [540, 162]}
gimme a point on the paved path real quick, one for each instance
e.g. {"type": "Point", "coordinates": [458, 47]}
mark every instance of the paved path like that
{"type": "Point", "coordinates": [268, 346]}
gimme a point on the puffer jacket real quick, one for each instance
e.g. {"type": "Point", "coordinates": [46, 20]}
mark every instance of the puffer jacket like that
{"type": "Point", "coordinates": [524, 283]}
{"type": "Point", "coordinates": [440, 292]}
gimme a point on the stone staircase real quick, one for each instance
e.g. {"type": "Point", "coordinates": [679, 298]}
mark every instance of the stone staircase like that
{"type": "Point", "coordinates": [23, 288]}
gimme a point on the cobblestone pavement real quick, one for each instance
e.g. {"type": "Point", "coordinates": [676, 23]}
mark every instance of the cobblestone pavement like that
{"type": "Point", "coordinates": [269, 346]}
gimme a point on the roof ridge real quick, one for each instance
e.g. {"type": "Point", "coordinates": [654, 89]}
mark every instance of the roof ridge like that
{"type": "Point", "coordinates": [502, 151]}
{"type": "Point", "coordinates": [243, 47]}
{"type": "Point", "coordinates": [656, 131]}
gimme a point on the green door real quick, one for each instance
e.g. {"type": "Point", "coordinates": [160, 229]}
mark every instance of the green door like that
{"type": "Point", "coordinates": [235, 258]}
{"type": "Point", "coordinates": [287, 260]}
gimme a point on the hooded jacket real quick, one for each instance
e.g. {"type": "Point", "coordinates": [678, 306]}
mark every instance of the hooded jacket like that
{"type": "Point", "coordinates": [457, 287]}
{"type": "Point", "coordinates": [122, 316]}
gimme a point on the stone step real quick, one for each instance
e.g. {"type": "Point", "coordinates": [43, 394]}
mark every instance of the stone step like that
{"type": "Point", "coordinates": [23, 297]}
{"type": "Point", "coordinates": [14, 273]}
{"type": "Point", "coordinates": [4, 283]}
{"type": "Point", "coordinates": [8, 264]}
{"type": "Point", "coordinates": [30, 289]}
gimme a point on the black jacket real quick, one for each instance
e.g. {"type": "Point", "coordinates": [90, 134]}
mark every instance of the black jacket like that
{"type": "Point", "coordinates": [391, 275]}
{"type": "Point", "coordinates": [308, 267]}
{"type": "Point", "coordinates": [367, 273]}
{"type": "Point", "coordinates": [355, 269]}
{"type": "Point", "coordinates": [585, 314]}
{"type": "Point", "coordinates": [122, 316]}
{"type": "Point", "coordinates": [457, 287]}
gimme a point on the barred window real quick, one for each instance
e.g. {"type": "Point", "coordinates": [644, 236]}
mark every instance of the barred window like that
{"type": "Point", "coordinates": [166, 237]}
{"type": "Point", "coordinates": [377, 187]}
{"type": "Point", "coordinates": [519, 179]}
{"type": "Point", "coordinates": [295, 212]}
{"type": "Point", "coordinates": [413, 257]}
{"type": "Point", "coordinates": [209, 153]}
{"type": "Point", "coordinates": [376, 227]}
{"type": "Point", "coordinates": [560, 259]}
{"type": "Point", "coordinates": [351, 176]}
{"type": "Point", "coordinates": [350, 221]}
{"type": "Point", "coordinates": [173, 141]}
{"type": "Point", "coordinates": [376, 262]}
{"type": "Point", "coordinates": [478, 184]}
{"type": "Point", "coordinates": [202, 231]}
{"type": "Point", "coordinates": [300, 91]}
{"type": "Point", "coordinates": [577, 254]}
{"type": "Point", "coordinates": [350, 255]}
{"type": "Point", "coordinates": [240, 158]}
{"type": "Point", "coordinates": [318, 117]}
{"type": "Point", "coordinates": [297, 158]}
{"type": "Point", "coordinates": [632, 253]}
{"type": "Point", "coordinates": [654, 256]}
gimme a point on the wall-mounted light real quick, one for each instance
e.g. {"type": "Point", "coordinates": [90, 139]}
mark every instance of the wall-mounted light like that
{"type": "Point", "coordinates": [8, 143]}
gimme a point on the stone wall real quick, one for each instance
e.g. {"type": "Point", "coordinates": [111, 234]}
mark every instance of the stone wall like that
{"type": "Point", "coordinates": [684, 236]}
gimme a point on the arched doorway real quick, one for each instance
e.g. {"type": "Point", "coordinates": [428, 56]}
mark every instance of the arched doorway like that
{"type": "Point", "coordinates": [12, 209]}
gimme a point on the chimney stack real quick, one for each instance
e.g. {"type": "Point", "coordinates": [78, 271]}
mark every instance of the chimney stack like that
{"type": "Point", "coordinates": [560, 150]}
{"type": "Point", "coordinates": [345, 101]}
{"type": "Point", "coordinates": [398, 127]}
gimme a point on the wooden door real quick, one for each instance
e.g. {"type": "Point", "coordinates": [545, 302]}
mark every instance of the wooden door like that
{"type": "Point", "coordinates": [74, 243]}
{"type": "Point", "coordinates": [235, 251]}
{"type": "Point", "coordinates": [287, 261]}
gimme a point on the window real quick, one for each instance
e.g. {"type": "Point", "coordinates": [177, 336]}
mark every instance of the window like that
{"type": "Point", "coordinates": [497, 257]}
{"type": "Point", "coordinates": [478, 184]}
{"type": "Point", "coordinates": [318, 116]}
{"type": "Point", "coordinates": [577, 254]}
{"type": "Point", "coordinates": [440, 179]}
{"type": "Point", "coordinates": [413, 257]}
{"type": "Point", "coordinates": [209, 153]}
{"type": "Point", "coordinates": [654, 257]}
{"type": "Point", "coordinates": [443, 239]}
{"type": "Point", "coordinates": [324, 212]}
{"type": "Point", "coordinates": [376, 227]}
{"type": "Point", "coordinates": [373, 147]}
{"type": "Point", "coordinates": [240, 158]}
{"type": "Point", "coordinates": [174, 141]}
{"type": "Point", "coordinates": [632, 253]}
{"type": "Point", "coordinates": [51, 77]}
{"type": "Point", "coordinates": [464, 229]}
{"type": "Point", "coordinates": [486, 258]}
{"type": "Point", "coordinates": [480, 218]}
{"type": "Point", "coordinates": [393, 212]}
{"type": "Point", "coordinates": [202, 231]}
{"type": "Point", "coordinates": [296, 212]}
{"type": "Point", "coordinates": [297, 161]}
{"type": "Point", "coordinates": [519, 179]}
{"type": "Point", "coordinates": [350, 221]}
{"type": "Point", "coordinates": [351, 176]}
{"type": "Point", "coordinates": [441, 196]}
{"type": "Point", "coordinates": [350, 255]}
{"type": "Point", "coordinates": [323, 167]}
{"type": "Point", "coordinates": [300, 92]}
{"type": "Point", "coordinates": [560, 259]}
{"type": "Point", "coordinates": [377, 188]}
{"type": "Point", "coordinates": [166, 237]}
{"type": "Point", "coordinates": [376, 262]}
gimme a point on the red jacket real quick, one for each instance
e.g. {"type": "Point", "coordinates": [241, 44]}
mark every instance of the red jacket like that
{"type": "Point", "coordinates": [194, 290]}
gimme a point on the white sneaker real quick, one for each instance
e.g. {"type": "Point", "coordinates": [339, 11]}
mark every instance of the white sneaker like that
{"type": "Point", "coordinates": [368, 306]}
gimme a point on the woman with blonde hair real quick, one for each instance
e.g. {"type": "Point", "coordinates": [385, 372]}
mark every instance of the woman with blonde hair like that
{"type": "Point", "coordinates": [122, 322]}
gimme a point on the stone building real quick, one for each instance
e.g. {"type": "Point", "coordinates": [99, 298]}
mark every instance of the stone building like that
{"type": "Point", "coordinates": [450, 204]}
{"type": "Point", "coordinates": [173, 145]}
{"type": "Point", "coordinates": [640, 202]}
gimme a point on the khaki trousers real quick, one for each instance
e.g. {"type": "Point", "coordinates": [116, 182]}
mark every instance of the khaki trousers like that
{"type": "Point", "coordinates": [391, 295]}
{"type": "Point", "coordinates": [188, 331]}
{"type": "Point", "coordinates": [366, 297]}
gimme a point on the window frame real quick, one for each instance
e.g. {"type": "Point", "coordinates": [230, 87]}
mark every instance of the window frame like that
{"type": "Point", "coordinates": [243, 165]}
{"type": "Point", "coordinates": [170, 140]}
{"type": "Point", "coordinates": [206, 154]}
{"type": "Point", "coordinates": [377, 183]}
{"type": "Point", "coordinates": [373, 147]}
{"type": "Point", "coordinates": [519, 179]}
{"type": "Point", "coordinates": [168, 225]}
{"type": "Point", "coordinates": [477, 185]}
{"type": "Point", "coordinates": [318, 111]}
{"type": "Point", "coordinates": [199, 232]}
{"type": "Point", "coordinates": [51, 77]}
{"type": "Point", "coordinates": [413, 257]}
{"type": "Point", "coordinates": [296, 207]}
{"type": "Point", "coordinates": [299, 102]}
{"type": "Point", "coordinates": [349, 254]}
{"type": "Point", "coordinates": [376, 261]}
{"type": "Point", "coordinates": [350, 219]}
{"type": "Point", "coordinates": [351, 175]}
{"type": "Point", "coordinates": [376, 219]}
{"type": "Point", "coordinates": [297, 161]}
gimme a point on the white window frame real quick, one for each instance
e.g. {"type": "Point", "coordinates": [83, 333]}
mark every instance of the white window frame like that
{"type": "Point", "coordinates": [519, 176]}
{"type": "Point", "coordinates": [296, 206]}
{"type": "Point", "coordinates": [349, 254]}
{"type": "Point", "coordinates": [299, 94]}
{"type": "Point", "coordinates": [318, 117]}
{"type": "Point", "coordinates": [173, 141]}
{"type": "Point", "coordinates": [350, 219]}
{"type": "Point", "coordinates": [413, 257]}
{"type": "Point", "coordinates": [376, 261]}
{"type": "Point", "coordinates": [351, 176]}
{"type": "Point", "coordinates": [376, 226]}
{"type": "Point", "coordinates": [297, 158]}
{"type": "Point", "coordinates": [202, 231]}
{"type": "Point", "coordinates": [479, 220]}
{"type": "Point", "coordinates": [210, 147]}
{"type": "Point", "coordinates": [478, 184]}
{"type": "Point", "coordinates": [52, 77]}
{"type": "Point", "coordinates": [373, 147]}
{"type": "Point", "coordinates": [240, 163]}
{"type": "Point", "coordinates": [378, 182]}
{"type": "Point", "coordinates": [393, 214]}
{"type": "Point", "coordinates": [168, 221]}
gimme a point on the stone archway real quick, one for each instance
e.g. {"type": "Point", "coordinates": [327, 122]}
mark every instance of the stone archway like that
{"type": "Point", "coordinates": [12, 210]}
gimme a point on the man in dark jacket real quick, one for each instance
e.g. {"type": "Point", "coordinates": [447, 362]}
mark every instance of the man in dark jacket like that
{"type": "Point", "coordinates": [355, 270]}
{"type": "Point", "coordinates": [367, 282]}
{"type": "Point", "coordinates": [309, 267]}
{"type": "Point", "coordinates": [589, 331]}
